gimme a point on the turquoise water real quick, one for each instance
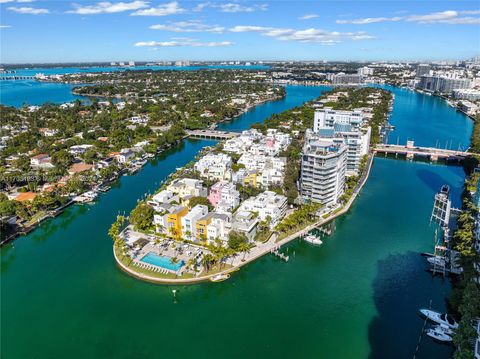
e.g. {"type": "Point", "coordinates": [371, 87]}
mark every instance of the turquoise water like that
{"type": "Point", "coordinates": [75, 70]}
{"type": "Point", "coordinates": [356, 296]}
{"type": "Point", "coordinates": [161, 261]}
{"type": "Point", "coordinates": [428, 121]}
{"type": "Point", "coordinates": [31, 92]}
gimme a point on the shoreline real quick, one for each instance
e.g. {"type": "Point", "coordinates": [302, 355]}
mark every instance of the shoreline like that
{"type": "Point", "coordinates": [267, 247]}
{"type": "Point", "coordinates": [57, 211]}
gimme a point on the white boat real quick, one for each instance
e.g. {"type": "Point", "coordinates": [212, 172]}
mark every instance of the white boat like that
{"type": "Point", "coordinates": [444, 328]}
{"type": "Point", "coordinates": [437, 261]}
{"type": "Point", "coordinates": [220, 277]}
{"type": "Point", "coordinates": [313, 240]}
{"type": "Point", "coordinates": [439, 318]}
{"type": "Point", "coordinates": [438, 335]}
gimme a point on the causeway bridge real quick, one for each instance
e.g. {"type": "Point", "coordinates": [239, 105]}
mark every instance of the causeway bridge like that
{"type": "Point", "coordinates": [16, 78]}
{"type": "Point", "coordinates": [410, 152]}
{"type": "Point", "coordinates": [215, 134]}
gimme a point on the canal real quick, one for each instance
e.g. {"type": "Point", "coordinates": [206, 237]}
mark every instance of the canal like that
{"type": "Point", "coordinates": [357, 296]}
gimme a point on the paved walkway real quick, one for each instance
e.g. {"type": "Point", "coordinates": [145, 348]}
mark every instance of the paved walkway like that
{"type": "Point", "coordinates": [263, 248]}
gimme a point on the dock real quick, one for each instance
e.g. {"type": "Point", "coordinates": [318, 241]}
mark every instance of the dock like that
{"type": "Point", "coordinates": [276, 252]}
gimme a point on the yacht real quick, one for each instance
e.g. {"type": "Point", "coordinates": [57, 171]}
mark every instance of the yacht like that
{"type": "Point", "coordinates": [313, 240]}
{"type": "Point", "coordinates": [439, 335]}
{"type": "Point", "coordinates": [437, 261]}
{"type": "Point", "coordinates": [439, 318]}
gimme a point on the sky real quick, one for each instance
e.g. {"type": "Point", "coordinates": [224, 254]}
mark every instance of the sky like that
{"type": "Point", "coordinates": [38, 31]}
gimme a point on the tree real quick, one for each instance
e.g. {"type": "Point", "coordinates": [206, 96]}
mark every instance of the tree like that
{"type": "Point", "coordinates": [62, 159]}
{"type": "Point", "coordinates": [236, 240]}
{"type": "Point", "coordinates": [142, 216]}
{"type": "Point", "coordinates": [200, 200]}
{"type": "Point", "coordinates": [7, 207]}
{"type": "Point", "coordinates": [90, 155]}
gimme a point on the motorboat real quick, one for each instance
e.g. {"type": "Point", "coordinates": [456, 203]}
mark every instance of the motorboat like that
{"type": "Point", "coordinates": [313, 240]}
{"type": "Point", "coordinates": [438, 335]}
{"type": "Point", "coordinates": [444, 328]}
{"type": "Point", "coordinates": [220, 277]}
{"type": "Point", "coordinates": [437, 261]}
{"type": "Point", "coordinates": [439, 318]}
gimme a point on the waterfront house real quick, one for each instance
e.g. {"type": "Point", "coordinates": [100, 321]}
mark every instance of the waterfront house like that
{"type": "Point", "coordinates": [267, 204]}
{"type": "Point", "coordinates": [219, 227]}
{"type": "Point", "coordinates": [125, 155]}
{"type": "Point", "coordinates": [245, 222]}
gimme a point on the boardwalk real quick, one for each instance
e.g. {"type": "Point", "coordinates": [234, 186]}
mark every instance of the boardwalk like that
{"type": "Point", "coordinates": [221, 135]}
{"type": "Point", "coordinates": [411, 151]}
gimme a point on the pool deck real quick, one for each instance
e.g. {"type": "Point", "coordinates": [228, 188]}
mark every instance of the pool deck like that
{"type": "Point", "coordinates": [259, 250]}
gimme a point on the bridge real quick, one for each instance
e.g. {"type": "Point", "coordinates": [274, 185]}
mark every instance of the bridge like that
{"type": "Point", "coordinates": [411, 151]}
{"type": "Point", "coordinates": [215, 134]}
{"type": "Point", "coordinates": [16, 78]}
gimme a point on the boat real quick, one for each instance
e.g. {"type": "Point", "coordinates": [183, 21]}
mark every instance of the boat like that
{"type": "Point", "coordinates": [220, 277]}
{"type": "Point", "coordinates": [313, 240]}
{"type": "Point", "coordinates": [444, 328]}
{"type": "Point", "coordinates": [439, 335]}
{"type": "Point", "coordinates": [439, 318]}
{"type": "Point", "coordinates": [437, 261]}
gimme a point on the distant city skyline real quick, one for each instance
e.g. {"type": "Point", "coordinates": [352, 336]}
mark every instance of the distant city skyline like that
{"type": "Point", "coordinates": [103, 31]}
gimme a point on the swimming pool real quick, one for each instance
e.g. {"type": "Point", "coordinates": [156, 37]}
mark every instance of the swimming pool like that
{"type": "Point", "coordinates": [161, 261]}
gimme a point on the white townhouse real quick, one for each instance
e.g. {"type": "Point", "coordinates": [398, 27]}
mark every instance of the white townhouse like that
{"type": "Point", "coordinates": [215, 166]}
{"type": "Point", "coordinates": [187, 187]}
{"type": "Point", "coordinates": [189, 221]}
{"type": "Point", "coordinates": [266, 204]}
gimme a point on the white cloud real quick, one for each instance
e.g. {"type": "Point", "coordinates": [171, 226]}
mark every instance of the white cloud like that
{"type": "Point", "coordinates": [179, 42]}
{"type": "Point", "coordinates": [369, 20]}
{"type": "Point", "coordinates": [308, 17]}
{"type": "Point", "coordinates": [232, 7]}
{"type": "Point", "coordinates": [29, 10]}
{"type": "Point", "coordinates": [433, 17]}
{"type": "Point", "coordinates": [189, 26]}
{"type": "Point", "coordinates": [311, 35]}
{"type": "Point", "coordinates": [170, 8]}
{"type": "Point", "coordinates": [443, 17]}
{"type": "Point", "coordinates": [106, 7]}
{"type": "Point", "coordinates": [5, 26]}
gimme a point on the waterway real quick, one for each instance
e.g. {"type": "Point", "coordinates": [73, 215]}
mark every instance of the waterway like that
{"type": "Point", "coordinates": [32, 92]}
{"type": "Point", "coordinates": [356, 296]}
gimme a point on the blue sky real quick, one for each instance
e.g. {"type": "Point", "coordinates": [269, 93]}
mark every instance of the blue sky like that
{"type": "Point", "coordinates": [62, 31]}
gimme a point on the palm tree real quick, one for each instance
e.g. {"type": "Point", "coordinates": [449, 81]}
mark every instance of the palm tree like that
{"type": "Point", "coordinates": [245, 248]}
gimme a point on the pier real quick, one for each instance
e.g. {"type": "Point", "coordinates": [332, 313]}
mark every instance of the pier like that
{"type": "Point", "coordinates": [275, 251]}
{"type": "Point", "coordinates": [214, 134]}
{"type": "Point", "coordinates": [410, 152]}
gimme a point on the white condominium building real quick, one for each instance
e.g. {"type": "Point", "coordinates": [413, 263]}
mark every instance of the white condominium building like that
{"type": "Point", "coordinates": [327, 118]}
{"type": "Point", "coordinates": [324, 165]}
